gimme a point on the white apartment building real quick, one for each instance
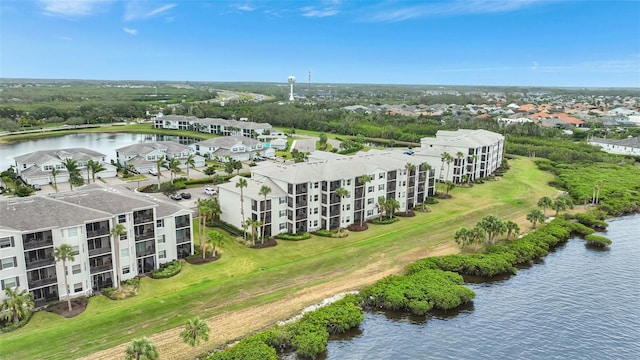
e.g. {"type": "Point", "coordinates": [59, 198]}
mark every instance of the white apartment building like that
{"type": "Point", "coordinates": [303, 195]}
{"type": "Point", "coordinates": [475, 154]}
{"type": "Point", "coordinates": [144, 156]}
{"type": "Point", "coordinates": [238, 148]}
{"type": "Point", "coordinates": [31, 228]}
{"type": "Point", "coordinates": [222, 127]}
{"type": "Point", "coordinates": [629, 146]}
{"type": "Point", "coordinates": [35, 168]}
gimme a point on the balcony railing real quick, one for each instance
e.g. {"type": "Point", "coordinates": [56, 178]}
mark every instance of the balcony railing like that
{"type": "Point", "coordinates": [42, 282]}
{"type": "Point", "coordinates": [34, 244]}
{"type": "Point", "coordinates": [142, 219]}
{"type": "Point", "coordinates": [99, 251]}
{"type": "Point", "coordinates": [38, 303]}
{"type": "Point", "coordinates": [100, 232]}
{"type": "Point", "coordinates": [101, 268]}
{"type": "Point", "coordinates": [39, 263]}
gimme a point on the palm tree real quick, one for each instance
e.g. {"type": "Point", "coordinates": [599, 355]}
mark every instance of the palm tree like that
{"type": "Point", "coordinates": [64, 253]}
{"type": "Point", "coordinates": [190, 162]}
{"type": "Point", "coordinates": [174, 167]}
{"type": "Point", "coordinates": [545, 202]}
{"type": "Point", "coordinates": [443, 158]}
{"type": "Point", "coordinates": [463, 237]}
{"type": "Point", "coordinates": [459, 156]}
{"type": "Point", "coordinates": [493, 226]}
{"type": "Point", "coordinates": [254, 225]}
{"type": "Point", "coordinates": [392, 206]}
{"type": "Point", "coordinates": [16, 304]}
{"type": "Point", "coordinates": [54, 173]}
{"type": "Point", "coordinates": [116, 232]}
{"type": "Point", "coordinates": [264, 191]}
{"type": "Point", "coordinates": [160, 163]}
{"type": "Point", "coordinates": [364, 179]}
{"type": "Point", "coordinates": [142, 349]}
{"type": "Point", "coordinates": [534, 216]}
{"type": "Point", "coordinates": [409, 167]}
{"type": "Point", "coordinates": [382, 205]}
{"type": "Point", "coordinates": [599, 185]}
{"type": "Point", "coordinates": [473, 161]}
{"type": "Point", "coordinates": [96, 167]}
{"type": "Point", "coordinates": [242, 183]}
{"type": "Point", "coordinates": [512, 228]}
{"type": "Point", "coordinates": [74, 173]}
{"type": "Point", "coordinates": [195, 330]}
{"type": "Point", "coordinates": [204, 208]}
{"type": "Point", "coordinates": [214, 240]}
{"type": "Point", "coordinates": [341, 192]}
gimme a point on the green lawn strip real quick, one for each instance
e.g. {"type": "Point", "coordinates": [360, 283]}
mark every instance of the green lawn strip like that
{"type": "Point", "coordinates": [236, 281]}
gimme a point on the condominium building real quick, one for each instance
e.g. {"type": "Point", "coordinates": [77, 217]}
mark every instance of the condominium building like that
{"type": "Point", "coordinates": [303, 196]}
{"type": "Point", "coordinates": [31, 228]}
{"type": "Point", "coordinates": [37, 168]}
{"type": "Point", "coordinates": [474, 154]}
{"type": "Point", "coordinates": [222, 127]}
{"type": "Point", "coordinates": [144, 156]}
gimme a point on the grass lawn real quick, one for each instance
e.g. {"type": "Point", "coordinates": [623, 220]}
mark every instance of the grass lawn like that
{"type": "Point", "coordinates": [244, 277]}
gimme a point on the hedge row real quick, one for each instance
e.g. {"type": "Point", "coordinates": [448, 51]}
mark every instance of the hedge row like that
{"type": "Point", "coordinates": [293, 237]}
{"type": "Point", "coordinates": [167, 270]}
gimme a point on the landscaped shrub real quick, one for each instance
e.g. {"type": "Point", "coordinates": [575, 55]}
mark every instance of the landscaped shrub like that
{"type": "Point", "coordinates": [167, 270]}
{"type": "Point", "coordinates": [597, 240]}
{"type": "Point", "coordinates": [418, 292]}
{"type": "Point", "coordinates": [383, 220]}
{"type": "Point", "coordinates": [128, 288]}
{"type": "Point", "coordinates": [591, 219]}
{"type": "Point", "coordinates": [293, 237]}
{"type": "Point", "coordinates": [488, 265]}
{"type": "Point", "coordinates": [15, 326]}
{"type": "Point", "coordinates": [246, 349]}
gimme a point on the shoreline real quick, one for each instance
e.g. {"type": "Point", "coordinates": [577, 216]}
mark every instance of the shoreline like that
{"type": "Point", "coordinates": [228, 328]}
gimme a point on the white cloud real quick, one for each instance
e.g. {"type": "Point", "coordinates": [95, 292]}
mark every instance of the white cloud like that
{"type": "Point", "coordinates": [64, 38]}
{"type": "Point", "coordinates": [130, 31]}
{"type": "Point", "coordinates": [385, 13]}
{"type": "Point", "coordinates": [71, 7]}
{"type": "Point", "coordinates": [138, 10]}
{"type": "Point", "coordinates": [327, 8]}
{"type": "Point", "coordinates": [245, 7]}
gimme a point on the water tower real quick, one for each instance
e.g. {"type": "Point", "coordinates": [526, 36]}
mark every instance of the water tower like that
{"type": "Point", "coordinates": [291, 79]}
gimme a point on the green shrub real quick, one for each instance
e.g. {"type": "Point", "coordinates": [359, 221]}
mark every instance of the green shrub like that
{"type": "Point", "coordinates": [167, 270]}
{"type": "Point", "coordinates": [15, 326]}
{"type": "Point", "coordinates": [597, 240]}
{"type": "Point", "coordinates": [591, 219]}
{"type": "Point", "coordinates": [246, 349]}
{"type": "Point", "coordinates": [323, 233]}
{"type": "Point", "coordinates": [293, 237]}
{"type": "Point", "coordinates": [430, 200]}
{"type": "Point", "coordinates": [383, 220]}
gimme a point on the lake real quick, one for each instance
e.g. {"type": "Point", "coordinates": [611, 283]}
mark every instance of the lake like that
{"type": "Point", "coordinates": [577, 303]}
{"type": "Point", "coordinates": [105, 143]}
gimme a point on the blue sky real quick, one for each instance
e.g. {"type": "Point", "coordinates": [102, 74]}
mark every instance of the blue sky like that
{"type": "Point", "coordinates": [437, 42]}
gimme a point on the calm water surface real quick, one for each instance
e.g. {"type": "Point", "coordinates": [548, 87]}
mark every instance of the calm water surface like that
{"type": "Point", "coordinates": [102, 142]}
{"type": "Point", "coordinates": [578, 303]}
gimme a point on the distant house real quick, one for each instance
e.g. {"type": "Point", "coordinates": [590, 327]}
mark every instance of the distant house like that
{"type": "Point", "coordinates": [629, 146]}
{"type": "Point", "coordinates": [35, 168]}
{"type": "Point", "coordinates": [144, 156]}
{"type": "Point", "coordinates": [238, 148]}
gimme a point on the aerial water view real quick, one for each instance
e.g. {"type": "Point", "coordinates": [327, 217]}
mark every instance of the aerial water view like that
{"type": "Point", "coordinates": [330, 179]}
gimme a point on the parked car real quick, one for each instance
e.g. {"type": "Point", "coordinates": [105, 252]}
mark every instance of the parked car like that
{"type": "Point", "coordinates": [153, 171]}
{"type": "Point", "coordinates": [36, 187]}
{"type": "Point", "coordinates": [210, 191]}
{"type": "Point", "coordinates": [175, 196]}
{"type": "Point", "coordinates": [185, 195]}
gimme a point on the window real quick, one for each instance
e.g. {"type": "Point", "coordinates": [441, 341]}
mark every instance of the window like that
{"type": "Point", "coordinates": [6, 242]}
{"type": "Point", "coordinates": [315, 197]}
{"type": "Point", "coordinates": [283, 200]}
{"type": "Point", "coordinates": [370, 189]}
{"type": "Point", "coordinates": [160, 223]}
{"type": "Point", "coordinates": [75, 269]}
{"type": "Point", "coordinates": [124, 252]}
{"type": "Point", "coordinates": [76, 250]}
{"type": "Point", "coordinates": [282, 213]}
{"type": "Point", "coordinates": [77, 287]}
{"type": "Point", "coordinates": [162, 254]}
{"type": "Point", "coordinates": [315, 222]}
{"type": "Point", "coordinates": [283, 226]}
{"type": "Point", "coordinates": [126, 269]}
{"type": "Point", "coordinates": [381, 187]}
{"type": "Point", "coordinates": [369, 212]}
{"type": "Point", "coordinates": [315, 185]}
{"type": "Point", "coordinates": [370, 201]}
{"type": "Point", "coordinates": [122, 218]}
{"type": "Point", "coordinates": [123, 237]}
{"type": "Point", "coordinates": [315, 210]}
{"type": "Point", "coordinates": [161, 239]}
{"type": "Point", "coordinates": [9, 262]}
{"type": "Point", "coordinates": [381, 175]}
{"type": "Point", "coordinates": [9, 283]}
{"type": "Point", "coordinates": [72, 232]}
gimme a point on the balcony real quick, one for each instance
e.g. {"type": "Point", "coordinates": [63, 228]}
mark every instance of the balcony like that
{"type": "Point", "coordinates": [101, 268]}
{"type": "Point", "coordinates": [36, 263]}
{"type": "Point", "coordinates": [38, 243]}
{"type": "Point", "coordinates": [99, 251]}
{"type": "Point", "coordinates": [42, 282]}
{"type": "Point", "coordinates": [99, 232]}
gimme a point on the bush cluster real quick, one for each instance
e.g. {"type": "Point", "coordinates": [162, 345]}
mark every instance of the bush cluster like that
{"type": "Point", "coordinates": [293, 237]}
{"type": "Point", "coordinates": [167, 270]}
{"type": "Point", "coordinates": [15, 326]}
{"type": "Point", "coordinates": [383, 220]}
{"type": "Point", "coordinates": [597, 240]}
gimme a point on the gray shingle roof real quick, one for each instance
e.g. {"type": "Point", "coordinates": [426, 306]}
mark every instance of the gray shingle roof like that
{"type": "Point", "coordinates": [42, 156]}
{"type": "Point", "coordinates": [630, 142]}
{"type": "Point", "coordinates": [226, 142]}
{"type": "Point", "coordinates": [146, 148]}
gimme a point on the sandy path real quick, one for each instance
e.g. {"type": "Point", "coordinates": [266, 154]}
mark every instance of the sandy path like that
{"type": "Point", "coordinates": [228, 327]}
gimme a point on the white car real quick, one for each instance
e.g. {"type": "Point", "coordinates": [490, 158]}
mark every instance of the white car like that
{"type": "Point", "coordinates": [210, 191]}
{"type": "Point", "coordinates": [153, 171]}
